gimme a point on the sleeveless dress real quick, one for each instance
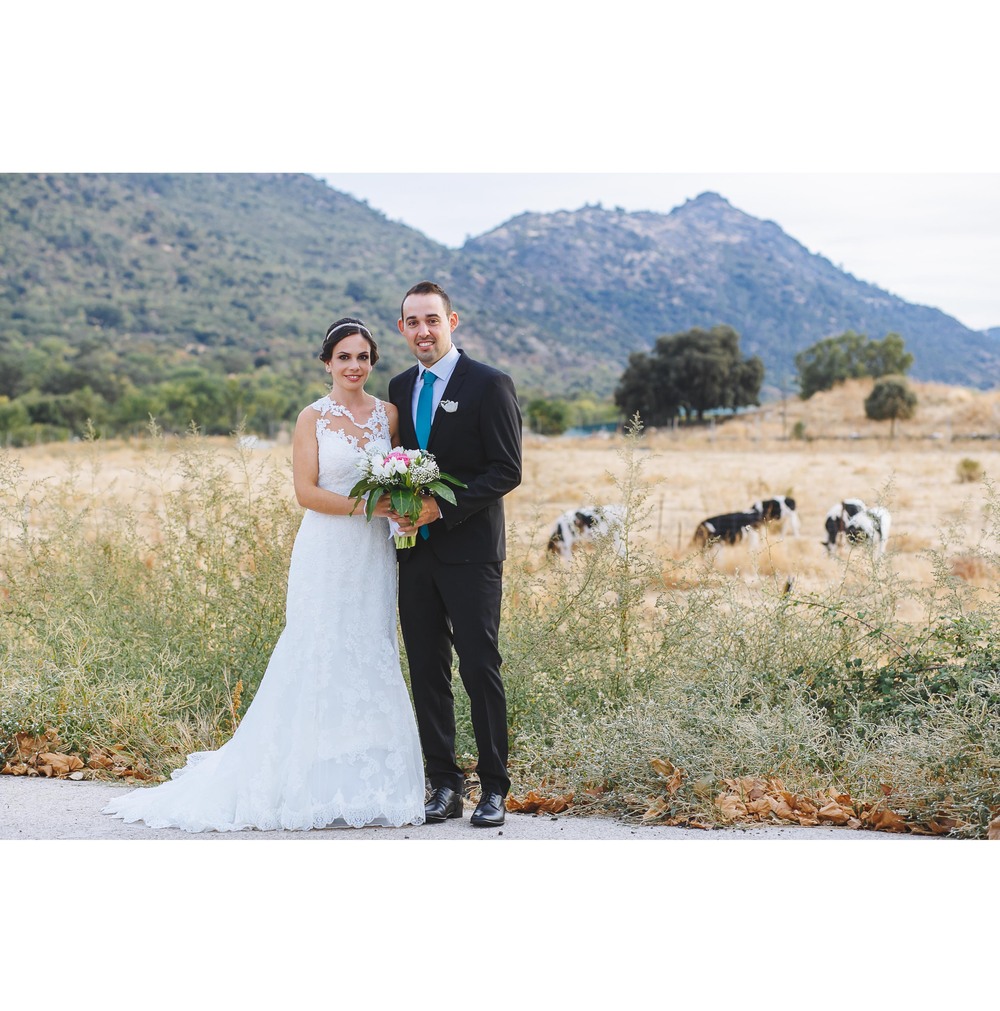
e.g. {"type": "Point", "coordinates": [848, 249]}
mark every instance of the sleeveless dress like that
{"type": "Point", "coordinates": [330, 738]}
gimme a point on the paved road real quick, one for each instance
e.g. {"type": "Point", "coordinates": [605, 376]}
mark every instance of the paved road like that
{"type": "Point", "coordinates": [40, 808]}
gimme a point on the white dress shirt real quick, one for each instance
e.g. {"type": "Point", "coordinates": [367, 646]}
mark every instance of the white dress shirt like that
{"type": "Point", "coordinates": [442, 369]}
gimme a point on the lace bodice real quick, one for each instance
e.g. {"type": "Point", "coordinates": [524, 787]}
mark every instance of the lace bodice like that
{"type": "Point", "coordinates": [340, 452]}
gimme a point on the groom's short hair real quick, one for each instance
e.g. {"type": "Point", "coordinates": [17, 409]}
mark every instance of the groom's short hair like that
{"type": "Point", "coordinates": [427, 288]}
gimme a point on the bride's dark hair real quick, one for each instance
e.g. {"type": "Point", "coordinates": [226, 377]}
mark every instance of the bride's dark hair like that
{"type": "Point", "coordinates": [342, 328]}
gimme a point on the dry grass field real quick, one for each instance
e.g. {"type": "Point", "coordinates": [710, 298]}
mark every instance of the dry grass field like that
{"type": "Point", "coordinates": [696, 474]}
{"type": "Point", "coordinates": [693, 474]}
{"type": "Point", "coordinates": [144, 588]}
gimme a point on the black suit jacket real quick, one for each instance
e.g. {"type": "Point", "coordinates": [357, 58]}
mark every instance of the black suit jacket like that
{"type": "Point", "coordinates": [479, 443]}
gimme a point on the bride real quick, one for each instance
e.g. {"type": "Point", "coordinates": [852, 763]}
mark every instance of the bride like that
{"type": "Point", "coordinates": [330, 738]}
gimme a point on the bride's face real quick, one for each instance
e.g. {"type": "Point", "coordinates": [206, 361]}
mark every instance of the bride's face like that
{"type": "Point", "coordinates": [351, 363]}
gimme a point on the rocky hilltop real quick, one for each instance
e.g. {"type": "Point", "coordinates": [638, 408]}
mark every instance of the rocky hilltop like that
{"type": "Point", "coordinates": [149, 276]}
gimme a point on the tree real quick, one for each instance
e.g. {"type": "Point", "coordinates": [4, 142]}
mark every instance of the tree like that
{"type": "Point", "coordinates": [548, 417]}
{"type": "Point", "coordinates": [890, 399]}
{"type": "Point", "coordinates": [13, 415]}
{"type": "Point", "coordinates": [694, 372]}
{"type": "Point", "coordinates": [639, 392]}
{"type": "Point", "coordinates": [850, 356]}
{"type": "Point", "coordinates": [887, 357]}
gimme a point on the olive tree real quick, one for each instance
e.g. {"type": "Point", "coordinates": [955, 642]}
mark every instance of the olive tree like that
{"type": "Point", "coordinates": [690, 372]}
{"type": "Point", "coordinates": [890, 399]}
{"type": "Point", "coordinates": [850, 356]}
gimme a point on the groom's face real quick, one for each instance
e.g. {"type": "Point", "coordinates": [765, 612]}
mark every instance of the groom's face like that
{"type": "Point", "coordinates": [427, 327]}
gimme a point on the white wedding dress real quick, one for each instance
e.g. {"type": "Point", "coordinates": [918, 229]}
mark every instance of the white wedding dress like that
{"type": "Point", "coordinates": [330, 738]}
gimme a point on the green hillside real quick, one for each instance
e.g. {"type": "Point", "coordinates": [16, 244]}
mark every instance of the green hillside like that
{"type": "Point", "coordinates": [146, 290]}
{"type": "Point", "coordinates": [205, 297]}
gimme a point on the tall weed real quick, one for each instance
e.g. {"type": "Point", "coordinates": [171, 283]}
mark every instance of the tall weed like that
{"type": "Point", "coordinates": [128, 624]}
{"type": "Point", "coordinates": [733, 675]}
{"type": "Point", "coordinates": [134, 624]}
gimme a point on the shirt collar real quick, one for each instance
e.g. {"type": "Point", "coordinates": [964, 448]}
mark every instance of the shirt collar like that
{"type": "Point", "coordinates": [443, 367]}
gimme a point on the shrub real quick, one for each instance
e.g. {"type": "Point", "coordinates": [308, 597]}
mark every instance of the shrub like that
{"type": "Point", "coordinates": [969, 471]}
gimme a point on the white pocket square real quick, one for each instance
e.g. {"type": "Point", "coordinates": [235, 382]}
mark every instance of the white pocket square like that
{"type": "Point", "coordinates": [451, 406]}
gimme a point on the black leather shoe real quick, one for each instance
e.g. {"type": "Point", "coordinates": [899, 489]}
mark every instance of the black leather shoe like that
{"type": "Point", "coordinates": [445, 803]}
{"type": "Point", "coordinates": [489, 812]}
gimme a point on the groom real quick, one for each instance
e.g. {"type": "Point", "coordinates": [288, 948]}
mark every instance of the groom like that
{"type": "Point", "coordinates": [465, 414]}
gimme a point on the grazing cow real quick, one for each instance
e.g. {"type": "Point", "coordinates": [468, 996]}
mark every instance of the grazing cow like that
{"type": "Point", "coordinates": [586, 524]}
{"type": "Point", "coordinates": [869, 526]}
{"type": "Point", "coordinates": [780, 509]}
{"type": "Point", "coordinates": [836, 521]}
{"type": "Point", "coordinates": [728, 529]}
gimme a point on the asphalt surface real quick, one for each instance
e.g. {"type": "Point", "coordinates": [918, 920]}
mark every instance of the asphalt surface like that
{"type": "Point", "coordinates": [38, 808]}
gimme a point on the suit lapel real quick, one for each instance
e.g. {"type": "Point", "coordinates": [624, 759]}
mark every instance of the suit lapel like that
{"type": "Point", "coordinates": [407, 431]}
{"type": "Point", "coordinates": [450, 392]}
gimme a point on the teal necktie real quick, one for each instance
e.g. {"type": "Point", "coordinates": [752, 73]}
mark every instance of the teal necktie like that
{"type": "Point", "coordinates": [424, 404]}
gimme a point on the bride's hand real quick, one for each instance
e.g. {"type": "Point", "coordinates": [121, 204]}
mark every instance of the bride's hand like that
{"type": "Point", "coordinates": [383, 508]}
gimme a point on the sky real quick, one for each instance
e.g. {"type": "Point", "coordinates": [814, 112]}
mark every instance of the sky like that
{"type": "Point", "coordinates": [930, 238]}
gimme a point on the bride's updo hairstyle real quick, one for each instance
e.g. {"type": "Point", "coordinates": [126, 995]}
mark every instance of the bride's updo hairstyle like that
{"type": "Point", "coordinates": [342, 328]}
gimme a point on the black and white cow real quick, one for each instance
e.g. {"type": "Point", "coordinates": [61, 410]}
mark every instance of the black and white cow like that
{"type": "Point", "coordinates": [780, 510]}
{"type": "Point", "coordinates": [586, 524]}
{"type": "Point", "coordinates": [869, 526]}
{"type": "Point", "coordinates": [857, 523]}
{"type": "Point", "coordinates": [836, 522]}
{"type": "Point", "coordinates": [728, 528]}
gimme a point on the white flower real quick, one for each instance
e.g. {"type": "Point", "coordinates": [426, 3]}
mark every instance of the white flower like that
{"type": "Point", "coordinates": [451, 406]}
{"type": "Point", "coordinates": [425, 470]}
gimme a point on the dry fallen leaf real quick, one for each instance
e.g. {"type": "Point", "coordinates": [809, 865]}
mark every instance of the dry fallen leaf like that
{"type": "Point", "coordinates": [29, 745]}
{"type": "Point", "coordinates": [834, 813]}
{"type": "Point", "coordinates": [887, 821]}
{"type": "Point", "coordinates": [781, 809]}
{"type": "Point", "coordinates": [731, 806]}
{"type": "Point", "coordinates": [59, 764]}
{"type": "Point", "coordinates": [993, 832]}
{"type": "Point", "coordinates": [533, 803]}
{"type": "Point", "coordinates": [657, 809]}
{"type": "Point", "coordinates": [670, 773]}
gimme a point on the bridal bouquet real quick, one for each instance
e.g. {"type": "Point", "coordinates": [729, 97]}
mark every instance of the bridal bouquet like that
{"type": "Point", "coordinates": [405, 475]}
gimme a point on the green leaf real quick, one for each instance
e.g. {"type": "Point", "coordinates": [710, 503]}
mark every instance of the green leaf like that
{"type": "Point", "coordinates": [443, 490]}
{"type": "Point", "coordinates": [373, 498]}
{"type": "Point", "coordinates": [453, 480]}
{"type": "Point", "coordinates": [405, 502]}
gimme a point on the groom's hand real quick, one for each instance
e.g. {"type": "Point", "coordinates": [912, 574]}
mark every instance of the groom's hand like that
{"type": "Point", "coordinates": [429, 512]}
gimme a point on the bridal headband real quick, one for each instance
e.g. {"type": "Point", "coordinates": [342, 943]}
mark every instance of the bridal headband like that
{"type": "Point", "coordinates": [331, 339]}
{"type": "Point", "coordinates": [352, 326]}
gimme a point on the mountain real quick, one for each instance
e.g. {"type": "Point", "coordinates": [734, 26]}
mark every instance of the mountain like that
{"type": "Point", "coordinates": [606, 282]}
{"type": "Point", "coordinates": [120, 282]}
{"type": "Point", "coordinates": [233, 273]}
